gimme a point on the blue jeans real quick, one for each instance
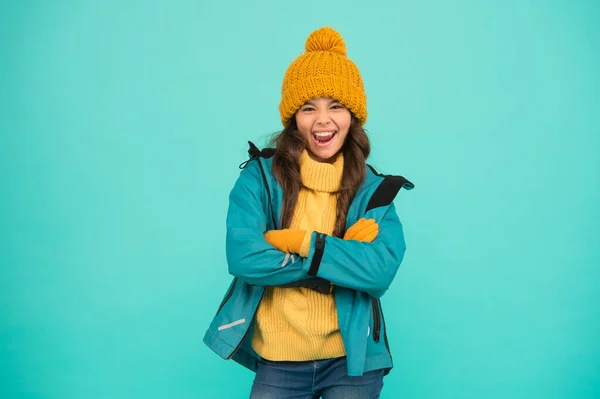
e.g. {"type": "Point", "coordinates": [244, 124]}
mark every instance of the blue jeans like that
{"type": "Point", "coordinates": [313, 379]}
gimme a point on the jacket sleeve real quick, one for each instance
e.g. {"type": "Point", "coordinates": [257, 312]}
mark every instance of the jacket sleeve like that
{"type": "Point", "coordinates": [249, 256]}
{"type": "Point", "coordinates": [368, 267]}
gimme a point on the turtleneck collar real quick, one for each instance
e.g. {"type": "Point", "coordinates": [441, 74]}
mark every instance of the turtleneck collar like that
{"type": "Point", "coordinates": [321, 176]}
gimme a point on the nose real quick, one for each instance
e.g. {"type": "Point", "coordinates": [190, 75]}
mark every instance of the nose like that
{"type": "Point", "coordinates": [323, 118]}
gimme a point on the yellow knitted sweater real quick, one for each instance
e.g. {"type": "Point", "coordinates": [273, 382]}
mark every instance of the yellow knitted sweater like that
{"type": "Point", "coordinates": [299, 324]}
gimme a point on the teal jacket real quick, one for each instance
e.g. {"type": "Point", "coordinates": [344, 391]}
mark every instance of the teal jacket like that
{"type": "Point", "coordinates": [360, 272]}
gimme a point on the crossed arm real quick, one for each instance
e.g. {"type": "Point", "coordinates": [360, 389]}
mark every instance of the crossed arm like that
{"type": "Point", "coordinates": [365, 259]}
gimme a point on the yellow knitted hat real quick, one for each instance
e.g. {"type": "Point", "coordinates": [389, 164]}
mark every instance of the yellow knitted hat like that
{"type": "Point", "coordinates": [323, 70]}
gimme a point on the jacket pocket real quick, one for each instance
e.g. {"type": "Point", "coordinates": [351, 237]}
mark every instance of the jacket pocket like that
{"type": "Point", "coordinates": [228, 295]}
{"type": "Point", "coordinates": [376, 319]}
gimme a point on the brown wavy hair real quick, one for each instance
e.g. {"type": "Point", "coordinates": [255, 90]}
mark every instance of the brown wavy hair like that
{"type": "Point", "coordinates": [289, 144]}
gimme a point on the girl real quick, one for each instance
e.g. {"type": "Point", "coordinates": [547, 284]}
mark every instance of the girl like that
{"type": "Point", "coordinates": [313, 242]}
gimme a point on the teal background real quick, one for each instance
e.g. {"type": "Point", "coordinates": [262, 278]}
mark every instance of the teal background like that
{"type": "Point", "coordinates": [122, 127]}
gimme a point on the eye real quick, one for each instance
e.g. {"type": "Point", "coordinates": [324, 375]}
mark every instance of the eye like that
{"type": "Point", "coordinates": [337, 106]}
{"type": "Point", "coordinates": [307, 108]}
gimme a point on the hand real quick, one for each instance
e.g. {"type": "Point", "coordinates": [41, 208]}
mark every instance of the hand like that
{"type": "Point", "coordinates": [364, 231]}
{"type": "Point", "coordinates": [286, 240]}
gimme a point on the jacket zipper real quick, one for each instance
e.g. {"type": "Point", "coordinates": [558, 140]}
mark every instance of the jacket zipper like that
{"type": "Point", "coordinates": [376, 321]}
{"type": "Point", "coordinates": [385, 337]}
{"type": "Point", "coordinates": [228, 295]}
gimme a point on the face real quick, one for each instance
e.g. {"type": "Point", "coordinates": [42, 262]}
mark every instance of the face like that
{"type": "Point", "coordinates": [324, 124]}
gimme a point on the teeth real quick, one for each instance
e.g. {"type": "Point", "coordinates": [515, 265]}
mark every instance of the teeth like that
{"type": "Point", "coordinates": [323, 134]}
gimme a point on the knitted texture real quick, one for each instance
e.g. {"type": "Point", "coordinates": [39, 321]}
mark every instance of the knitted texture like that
{"type": "Point", "coordinates": [364, 231]}
{"type": "Point", "coordinates": [323, 70]}
{"type": "Point", "coordinates": [300, 324]}
{"type": "Point", "coordinates": [286, 240]}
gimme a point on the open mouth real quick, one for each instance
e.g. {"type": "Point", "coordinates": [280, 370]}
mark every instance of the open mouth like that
{"type": "Point", "coordinates": [324, 138]}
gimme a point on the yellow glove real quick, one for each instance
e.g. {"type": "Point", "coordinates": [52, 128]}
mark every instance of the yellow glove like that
{"type": "Point", "coordinates": [286, 240]}
{"type": "Point", "coordinates": [364, 231]}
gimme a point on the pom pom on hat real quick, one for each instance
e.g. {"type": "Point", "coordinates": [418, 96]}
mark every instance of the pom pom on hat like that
{"type": "Point", "coordinates": [323, 70]}
{"type": "Point", "coordinates": [326, 39]}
